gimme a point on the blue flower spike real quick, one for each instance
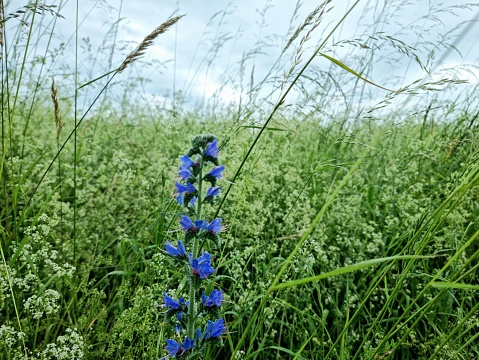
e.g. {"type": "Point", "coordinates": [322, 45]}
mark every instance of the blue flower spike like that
{"type": "Point", "coordinates": [198, 167]}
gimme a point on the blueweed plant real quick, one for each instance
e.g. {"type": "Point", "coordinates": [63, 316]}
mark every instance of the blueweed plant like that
{"type": "Point", "coordinates": [196, 320]}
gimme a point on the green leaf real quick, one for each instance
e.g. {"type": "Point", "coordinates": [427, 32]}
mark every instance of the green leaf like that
{"type": "Point", "coordinates": [347, 269]}
{"type": "Point", "coordinates": [96, 79]}
{"type": "Point", "coordinates": [453, 285]}
{"type": "Point", "coordinates": [348, 69]}
{"type": "Point", "coordinates": [260, 127]}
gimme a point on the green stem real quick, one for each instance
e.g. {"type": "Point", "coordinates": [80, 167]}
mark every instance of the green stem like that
{"type": "Point", "coordinates": [192, 297]}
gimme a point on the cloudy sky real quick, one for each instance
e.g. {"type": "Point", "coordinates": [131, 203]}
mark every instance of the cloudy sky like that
{"type": "Point", "coordinates": [222, 47]}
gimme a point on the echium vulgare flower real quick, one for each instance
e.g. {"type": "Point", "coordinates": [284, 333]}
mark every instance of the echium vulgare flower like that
{"type": "Point", "coordinates": [196, 318]}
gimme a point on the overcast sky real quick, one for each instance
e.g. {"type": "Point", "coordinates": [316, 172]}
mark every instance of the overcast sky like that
{"type": "Point", "coordinates": [202, 54]}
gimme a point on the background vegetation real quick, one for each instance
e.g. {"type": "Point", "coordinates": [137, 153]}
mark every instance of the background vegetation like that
{"type": "Point", "coordinates": [351, 230]}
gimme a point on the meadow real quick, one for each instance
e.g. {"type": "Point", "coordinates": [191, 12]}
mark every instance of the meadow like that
{"type": "Point", "coordinates": [346, 234]}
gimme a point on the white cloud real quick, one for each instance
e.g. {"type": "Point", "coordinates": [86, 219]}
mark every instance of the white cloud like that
{"type": "Point", "coordinates": [186, 49]}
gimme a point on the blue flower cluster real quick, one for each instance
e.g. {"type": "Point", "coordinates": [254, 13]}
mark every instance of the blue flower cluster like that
{"type": "Point", "coordinates": [185, 316]}
{"type": "Point", "coordinates": [190, 170]}
{"type": "Point", "coordinates": [213, 331]}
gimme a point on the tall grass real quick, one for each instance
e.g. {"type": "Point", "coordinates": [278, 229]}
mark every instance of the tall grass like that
{"type": "Point", "coordinates": [352, 227]}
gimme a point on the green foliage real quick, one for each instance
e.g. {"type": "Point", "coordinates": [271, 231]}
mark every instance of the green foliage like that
{"type": "Point", "coordinates": [108, 290]}
{"type": "Point", "coordinates": [346, 239]}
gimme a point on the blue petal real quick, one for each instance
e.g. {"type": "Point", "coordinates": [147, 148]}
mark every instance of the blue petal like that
{"type": "Point", "coordinates": [188, 344]}
{"type": "Point", "coordinates": [215, 226]}
{"type": "Point", "coordinates": [216, 171]}
{"type": "Point", "coordinates": [212, 192]}
{"type": "Point", "coordinates": [181, 188]}
{"type": "Point", "coordinates": [172, 346]}
{"type": "Point", "coordinates": [186, 162]}
{"type": "Point", "coordinates": [188, 188]}
{"type": "Point", "coordinates": [179, 316]}
{"type": "Point", "coordinates": [214, 329]}
{"type": "Point", "coordinates": [186, 223]}
{"type": "Point", "coordinates": [205, 258]}
{"type": "Point", "coordinates": [212, 149]}
{"type": "Point", "coordinates": [205, 270]}
{"type": "Point", "coordinates": [181, 249]}
{"type": "Point", "coordinates": [171, 303]}
{"type": "Point", "coordinates": [215, 298]}
{"type": "Point", "coordinates": [184, 174]}
{"type": "Point", "coordinates": [201, 224]}
{"type": "Point", "coordinates": [202, 265]}
{"type": "Point", "coordinates": [173, 251]}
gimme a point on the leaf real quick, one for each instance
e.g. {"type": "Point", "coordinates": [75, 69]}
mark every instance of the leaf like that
{"type": "Point", "coordinates": [347, 269]}
{"type": "Point", "coordinates": [453, 285]}
{"type": "Point", "coordinates": [259, 127]}
{"type": "Point", "coordinates": [340, 64]}
{"type": "Point", "coordinates": [96, 79]}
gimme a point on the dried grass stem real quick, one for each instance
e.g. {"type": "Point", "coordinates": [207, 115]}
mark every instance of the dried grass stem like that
{"type": "Point", "coordinates": [58, 117]}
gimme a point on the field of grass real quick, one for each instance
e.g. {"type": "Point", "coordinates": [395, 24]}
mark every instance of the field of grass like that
{"type": "Point", "coordinates": [344, 236]}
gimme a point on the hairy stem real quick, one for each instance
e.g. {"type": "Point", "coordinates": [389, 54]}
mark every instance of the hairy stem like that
{"type": "Point", "coordinates": [192, 298]}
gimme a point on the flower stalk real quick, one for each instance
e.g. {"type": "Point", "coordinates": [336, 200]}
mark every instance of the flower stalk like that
{"type": "Point", "coordinates": [199, 203]}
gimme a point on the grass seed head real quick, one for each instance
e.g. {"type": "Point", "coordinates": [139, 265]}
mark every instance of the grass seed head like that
{"type": "Point", "coordinates": [147, 42]}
